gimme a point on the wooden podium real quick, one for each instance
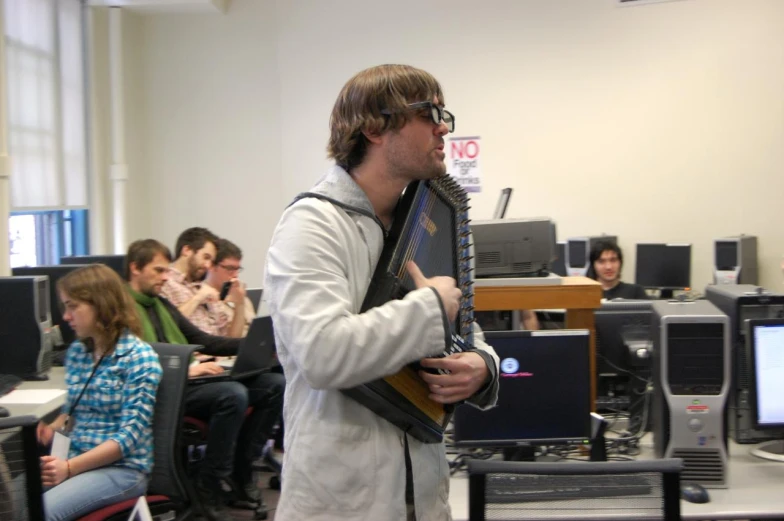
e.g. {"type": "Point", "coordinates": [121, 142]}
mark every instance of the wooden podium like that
{"type": "Point", "coordinates": [579, 296]}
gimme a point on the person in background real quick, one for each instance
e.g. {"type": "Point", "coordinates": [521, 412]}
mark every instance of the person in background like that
{"type": "Point", "coordinates": [226, 269]}
{"type": "Point", "coordinates": [234, 439]}
{"type": "Point", "coordinates": [185, 287]}
{"type": "Point", "coordinates": [606, 263]}
{"type": "Point", "coordinates": [529, 320]}
{"type": "Point", "coordinates": [112, 377]}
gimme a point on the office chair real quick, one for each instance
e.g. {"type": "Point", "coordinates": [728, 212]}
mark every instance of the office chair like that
{"type": "Point", "coordinates": [627, 490]}
{"type": "Point", "coordinates": [21, 492]}
{"type": "Point", "coordinates": [169, 491]}
{"type": "Point", "coordinates": [254, 294]}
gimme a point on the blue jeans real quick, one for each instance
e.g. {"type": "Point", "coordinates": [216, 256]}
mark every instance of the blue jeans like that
{"type": "Point", "coordinates": [85, 493]}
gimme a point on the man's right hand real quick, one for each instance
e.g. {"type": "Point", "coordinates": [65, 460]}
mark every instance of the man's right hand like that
{"type": "Point", "coordinates": [206, 368]}
{"type": "Point", "coordinates": [445, 286]}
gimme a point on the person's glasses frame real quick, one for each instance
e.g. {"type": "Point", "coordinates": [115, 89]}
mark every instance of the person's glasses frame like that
{"type": "Point", "coordinates": [232, 269]}
{"type": "Point", "coordinates": [437, 114]}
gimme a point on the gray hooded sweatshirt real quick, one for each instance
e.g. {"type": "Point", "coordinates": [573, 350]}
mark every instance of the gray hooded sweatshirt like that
{"type": "Point", "coordinates": [342, 461]}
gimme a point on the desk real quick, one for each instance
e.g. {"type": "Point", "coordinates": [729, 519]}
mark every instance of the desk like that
{"type": "Point", "coordinates": [756, 489]}
{"type": "Point", "coordinates": [579, 296]}
{"type": "Point", "coordinates": [45, 411]}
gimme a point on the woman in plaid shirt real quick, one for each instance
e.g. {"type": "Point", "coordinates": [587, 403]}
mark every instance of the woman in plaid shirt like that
{"type": "Point", "coordinates": [112, 377]}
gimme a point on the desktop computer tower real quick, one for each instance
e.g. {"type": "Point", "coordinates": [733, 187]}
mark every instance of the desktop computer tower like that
{"type": "Point", "coordinates": [559, 263]}
{"type": "Point", "coordinates": [735, 260]}
{"type": "Point", "coordinates": [741, 302]}
{"type": "Point", "coordinates": [25, 327]}
{"type": "Point", "coordinates": [691, 378]}
{"type": "Point", "coordinates": [578, 253]}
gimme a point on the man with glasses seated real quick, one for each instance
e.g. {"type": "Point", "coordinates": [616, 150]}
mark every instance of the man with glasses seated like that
{"type": "Point", "coordinates": [196, 250]}
{"type": "Point", "coordinates": [236, 311]}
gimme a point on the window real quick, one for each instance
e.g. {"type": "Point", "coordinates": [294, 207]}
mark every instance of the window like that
{"type": "Point", "coordinates": [45, 71]}
{"type": "Point", "coordinates": [41, 238]}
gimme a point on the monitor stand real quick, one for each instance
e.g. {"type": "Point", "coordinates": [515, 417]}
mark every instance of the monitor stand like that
{"type": "Point", "coordinates": [520, 453]}
{"type": "Point", "coordinates": [773, 450]}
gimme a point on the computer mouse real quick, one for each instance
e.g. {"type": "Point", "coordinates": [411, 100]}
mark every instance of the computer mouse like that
{"type": "Point", "coordinates": [4, 413]}
{"type": "Point", "coordinates": [694, 493]}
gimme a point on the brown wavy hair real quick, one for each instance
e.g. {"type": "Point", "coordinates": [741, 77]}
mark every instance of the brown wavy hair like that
{"type": "Point", "coordinates": [360, 102]}
{"type": "Point", "coordinates": [103, 289]}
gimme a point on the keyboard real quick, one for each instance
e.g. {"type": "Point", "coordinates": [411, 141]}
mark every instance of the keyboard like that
{"type": "Point", "coordinates": [512, 488]}
{"type": "Point", "coordinates": [8, 383]}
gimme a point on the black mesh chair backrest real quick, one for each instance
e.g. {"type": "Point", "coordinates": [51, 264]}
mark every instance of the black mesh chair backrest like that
{"type": "Point", "coordinates": [21, 493]}
{"type": "Point", "coordinates": [627, 490]}
{"type": "Point", "coordinates": [168, 474]}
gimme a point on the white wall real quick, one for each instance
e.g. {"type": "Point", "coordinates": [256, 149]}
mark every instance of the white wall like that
{"type": "Point", "coordinates": [139, 217]}
{"type": "Point", "coordinates": [212, 127]}
{"type": "Point", "coordinates": [656, 123]}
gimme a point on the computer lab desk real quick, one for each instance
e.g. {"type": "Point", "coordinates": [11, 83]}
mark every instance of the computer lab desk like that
{"type": "Point", "coordinates": [756, 489]}
{"type": "Point", "coordinates": [46, 411]}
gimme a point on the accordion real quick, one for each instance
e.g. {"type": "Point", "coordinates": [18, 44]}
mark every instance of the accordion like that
{"type": "Point", "coordinates": [430, 228]}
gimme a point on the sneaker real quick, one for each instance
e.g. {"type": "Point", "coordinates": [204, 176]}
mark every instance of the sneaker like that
{"type": "Point", "coordinates": [245, 495]}
{"type": "Point", "coordinates": [211, 498]}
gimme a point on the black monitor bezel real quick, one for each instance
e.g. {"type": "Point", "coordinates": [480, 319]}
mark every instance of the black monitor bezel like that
{"type": "Point", "coordinates": [668, 245]}
{"type": "Point", "coordinates": [534, 442]}
{"type": "Point", "coordinates": [752, 358]}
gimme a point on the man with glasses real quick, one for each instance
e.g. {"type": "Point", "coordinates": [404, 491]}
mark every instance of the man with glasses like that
{"type": "Point", "coordinates": [235, 311]}
{"type": "Point", "coordinates": [342, 461]}
{"type": "Point", "coordinates": [196, 250]}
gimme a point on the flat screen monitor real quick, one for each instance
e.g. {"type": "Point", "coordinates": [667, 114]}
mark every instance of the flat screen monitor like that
{"type": "Point", "coordinates": [765, 344]}
{"type": "Point", "coordinates": [663, 266]}
{"type": "Point", "coordinates": [502, 204]}
{"type": "Point", "coordinates": [621, 326]}
{"type": "Point", "coordinates": [541, 399]}
{"type": "Point", "coordinates": [578, 252]}
{"type": "Point", "coordinates": [115, 262]}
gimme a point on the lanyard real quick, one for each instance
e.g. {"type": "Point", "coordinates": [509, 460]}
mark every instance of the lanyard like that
{"type": "Point", "coordinates": [73, 407]}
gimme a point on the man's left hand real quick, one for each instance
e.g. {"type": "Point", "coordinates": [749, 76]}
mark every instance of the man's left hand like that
{"type": "Point", "coordinates": [468, 373]}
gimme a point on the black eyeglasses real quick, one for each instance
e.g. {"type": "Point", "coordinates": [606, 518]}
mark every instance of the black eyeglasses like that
{"type": "Point", "coordinates": [232, 269]}
{"type": "Point", "coordinates": [437, 114]}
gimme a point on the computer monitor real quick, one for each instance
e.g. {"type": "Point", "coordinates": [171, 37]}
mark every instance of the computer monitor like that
{"type": "Point", "coordinates": [623, 353]}
{"type": "Point", "coordinates": [622, 328]}
{"type": "Point", "coordinates": [54, 273]}
{"type": "Point", "coordinates": [765, 340]}
{"type": "Point", "coordinates": [663, 266]}
{"type": "Point", "coordinates": [115, 262]}
{"type": "Point", "coordinates": [503, 203]}
{"type": "Point", "coordinates": [541, 399]}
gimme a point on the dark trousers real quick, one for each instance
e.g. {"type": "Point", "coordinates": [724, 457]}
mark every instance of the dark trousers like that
{"type": "Point", "coordinates": [265, 395]}
{"type": "Point", "coordinates": [233, 441]}
{"type": "Point", "coordinates": [222, 405]}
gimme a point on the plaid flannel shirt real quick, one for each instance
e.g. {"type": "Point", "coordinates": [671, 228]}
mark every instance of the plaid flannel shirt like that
{"type": "Point", "coordinates": [118, 403]}
{"type": "Point", "coordinates": [207, 317]}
